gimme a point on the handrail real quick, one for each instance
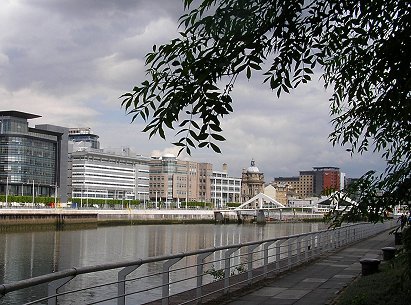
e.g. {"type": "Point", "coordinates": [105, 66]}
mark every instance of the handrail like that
{"type": "Point", "coordinates": [295, 252]}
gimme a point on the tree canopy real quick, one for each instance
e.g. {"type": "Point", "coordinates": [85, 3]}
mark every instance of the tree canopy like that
{"type": "Point", "coordinates": [362, 49]}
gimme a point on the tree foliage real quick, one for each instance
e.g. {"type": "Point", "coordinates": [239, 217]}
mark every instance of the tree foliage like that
{"type": "Point", "coordinates": [361, 47]}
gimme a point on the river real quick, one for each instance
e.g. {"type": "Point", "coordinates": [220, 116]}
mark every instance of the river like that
{"type": "Point", "coordinates": [28, 254]}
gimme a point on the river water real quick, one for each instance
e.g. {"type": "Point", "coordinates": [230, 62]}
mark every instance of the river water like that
{"type": "Point", "coordinates": [28, 254]}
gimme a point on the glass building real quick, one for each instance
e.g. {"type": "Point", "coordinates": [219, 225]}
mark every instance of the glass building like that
{"type": "Point", "coordinates": [33, 161]}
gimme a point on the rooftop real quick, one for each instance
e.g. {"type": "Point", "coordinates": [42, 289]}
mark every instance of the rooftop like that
{"type": "Point", "coordinates": [19, 114]}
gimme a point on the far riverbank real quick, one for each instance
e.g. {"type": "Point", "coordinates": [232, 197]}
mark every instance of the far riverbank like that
{"type": "Point", "coordinates": [59, 218]}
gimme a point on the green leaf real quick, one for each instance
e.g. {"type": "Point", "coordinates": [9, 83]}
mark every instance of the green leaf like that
{"type": "Point", "coordinates": [217, 137]}
{"type": "Point", "coordinates": [248, 72]}
{"type": "Point", "coordinates": [215, 127]}
{"type": "Point", "coordinates": [215, 148]}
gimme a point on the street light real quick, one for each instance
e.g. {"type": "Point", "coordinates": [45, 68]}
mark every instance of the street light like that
{"type": "Point", "coordinates": [7, 186]}
{"type": "Point", "coordinates": [55, 196]}
{"type": "Point", "coordinates": [33, 195]}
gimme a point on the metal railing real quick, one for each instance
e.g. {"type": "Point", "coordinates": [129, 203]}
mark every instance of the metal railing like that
{"type": "Point", "coordinates": [185, 278]}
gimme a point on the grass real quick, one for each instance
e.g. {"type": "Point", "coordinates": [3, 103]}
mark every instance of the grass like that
{"type": "Point", "coordinates": [390, 286]}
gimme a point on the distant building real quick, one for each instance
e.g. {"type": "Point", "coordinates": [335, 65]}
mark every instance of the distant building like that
{"type": "Point", "coordinates": [83, 138]}
{"type": "Point", "coordinates": [326, 179]}
{"type": "Point", "coordinates": [305, 187]}
{"type": "Point", "coordinates": [252, 182]}
{"type": "Point", "coordinates": [33, 161]}
{"type": "Point", "coordinates": [280, 192]}
{"type": "Point", "coordinates": [176, 181]}
{"type": "Point", "coordinates": [106, 175]}
{"type": "Point", "coordinates": [224, 189]}
{"type": "Point", "coordinates": [315, 182]}
{"type": "Point", "coordinates": [290, 181]}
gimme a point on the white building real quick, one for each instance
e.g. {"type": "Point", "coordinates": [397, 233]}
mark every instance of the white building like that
{"type": "Point", "coordinates": [106, 175]}
{"type": "Point", "coordinates": [224, 188]}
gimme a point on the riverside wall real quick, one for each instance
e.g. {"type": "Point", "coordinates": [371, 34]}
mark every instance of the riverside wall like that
{"type": "Point", "coordinates": [26, 218]}
{"type": "Point", "coordinates": [65, 217]}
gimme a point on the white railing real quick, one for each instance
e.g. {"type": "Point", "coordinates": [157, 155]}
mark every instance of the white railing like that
{"type": "Point", "coordinates": [184, 278]}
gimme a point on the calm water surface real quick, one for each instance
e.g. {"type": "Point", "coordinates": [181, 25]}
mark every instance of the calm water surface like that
{"type": "Point", "coordinates": [28, 254]}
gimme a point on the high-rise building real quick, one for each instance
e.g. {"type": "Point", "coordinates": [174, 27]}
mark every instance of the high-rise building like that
{"type": "Point", "coordinates": [33, 161]}
{"type": "Point", "coordinates": [314, 182]}
{"type": "Point", "coordinates": [224, 189]}
{"type": "Point", "coordinates": [107, 175]}
{"type": "Point", "coordinates": [252, 182]}
{"type": "Point", "coordinates": [175, 181]}
{"type": "Point", "coordinates": [305, 186]}
{"type": "Point", "coordinates": [326, 179]}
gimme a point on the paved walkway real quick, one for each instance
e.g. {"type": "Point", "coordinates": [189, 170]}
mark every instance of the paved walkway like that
{"type": "Point", "coordinates": [317, 283]}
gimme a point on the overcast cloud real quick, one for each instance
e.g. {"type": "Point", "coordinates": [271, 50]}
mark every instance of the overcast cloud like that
{"type": "Point", "coordinates": [70, 60]}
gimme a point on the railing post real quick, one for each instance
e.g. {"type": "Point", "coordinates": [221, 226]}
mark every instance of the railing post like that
{"type": "Point", "coordinates": [200, 273]}
{"type": "Point", "coordinates": [312, 243]}
{"type": "Point", "coordinates": [278, 254]}
{"type": "Point", "coordinates": [299, 248]}
{"type": "Point", "coordinates": [54, 286]}
{"type": "Point", "coordinates": [166, 279]}
{"type": "Point", "coordinates": [318, 247]}
{"type": "Point", "coordinates": [250, 262]}
{"type": "Point", "coordinates": [227, 267]}
{"type": "Point", "coordinates": [121, 287]}
{"type": "Point", "coordinates": [308, 245]}
{"type": "Point", "coordinates": [266, 246]}
{"type": "Point", "coordinates": [289, 252]}
{"type": "Point", "coordinates": [319, 243]}
{"type": "Point", "coordinates": [335, 241]}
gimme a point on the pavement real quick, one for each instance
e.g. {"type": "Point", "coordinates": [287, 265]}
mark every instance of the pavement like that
{"type": "Point", "coordinates": [319, 282]}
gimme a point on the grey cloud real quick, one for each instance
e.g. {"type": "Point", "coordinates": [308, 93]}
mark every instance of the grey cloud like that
{"type": "Point", "coordinates": [70, 60]}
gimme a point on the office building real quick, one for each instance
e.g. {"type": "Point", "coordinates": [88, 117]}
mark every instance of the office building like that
{"type": "Point", "coordinates": [176, 181]}
{"type": "Point", "coordinates": [293, 182]}
{"type": "Point", "coordinates": [315, 182]}
{"type": "Point", "coordinates": [33, 161]}
{"type": "Point", "coordinates": [107, 175]}
{"type": "Point", "coordinates": [224, 189]}
{"type": "Point", "coordinates": [305, 187]}
{"type": "Point", "coordinates": [326, 179]}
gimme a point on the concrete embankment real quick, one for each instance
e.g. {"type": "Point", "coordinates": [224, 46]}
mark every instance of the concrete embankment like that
{"type": "Point", "coordinates": [27, 219]}
{"type": "Point", "coordinates": [10, 218]}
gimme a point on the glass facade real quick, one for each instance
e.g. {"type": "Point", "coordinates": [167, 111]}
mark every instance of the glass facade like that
{"type": "Point", "coordinates": [28, 157]}
{"type": "Point", "coordinates": [25, 159]}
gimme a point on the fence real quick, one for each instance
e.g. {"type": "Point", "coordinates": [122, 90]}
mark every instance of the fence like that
{"type": "Point", "coordinates": [185, 278]}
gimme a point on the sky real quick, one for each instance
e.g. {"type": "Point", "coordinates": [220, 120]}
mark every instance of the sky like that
{"type": "Point", "coordinates": [70, 61]}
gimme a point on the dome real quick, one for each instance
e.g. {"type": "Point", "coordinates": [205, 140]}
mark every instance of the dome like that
{"type": "Point", "coordinates": [253, 168]}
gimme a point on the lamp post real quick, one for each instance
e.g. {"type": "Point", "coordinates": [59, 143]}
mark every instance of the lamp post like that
{"type": "Point", "coordinates": [156, 200]}
{"type": "Point", "coordinates": [55, 196]}
{"type": "Point", "coordinates": [7, 188]}
{"type": "Point", "coordinates": [81, 197]}
{"type": "Point", "coordinates": [33, 195]}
